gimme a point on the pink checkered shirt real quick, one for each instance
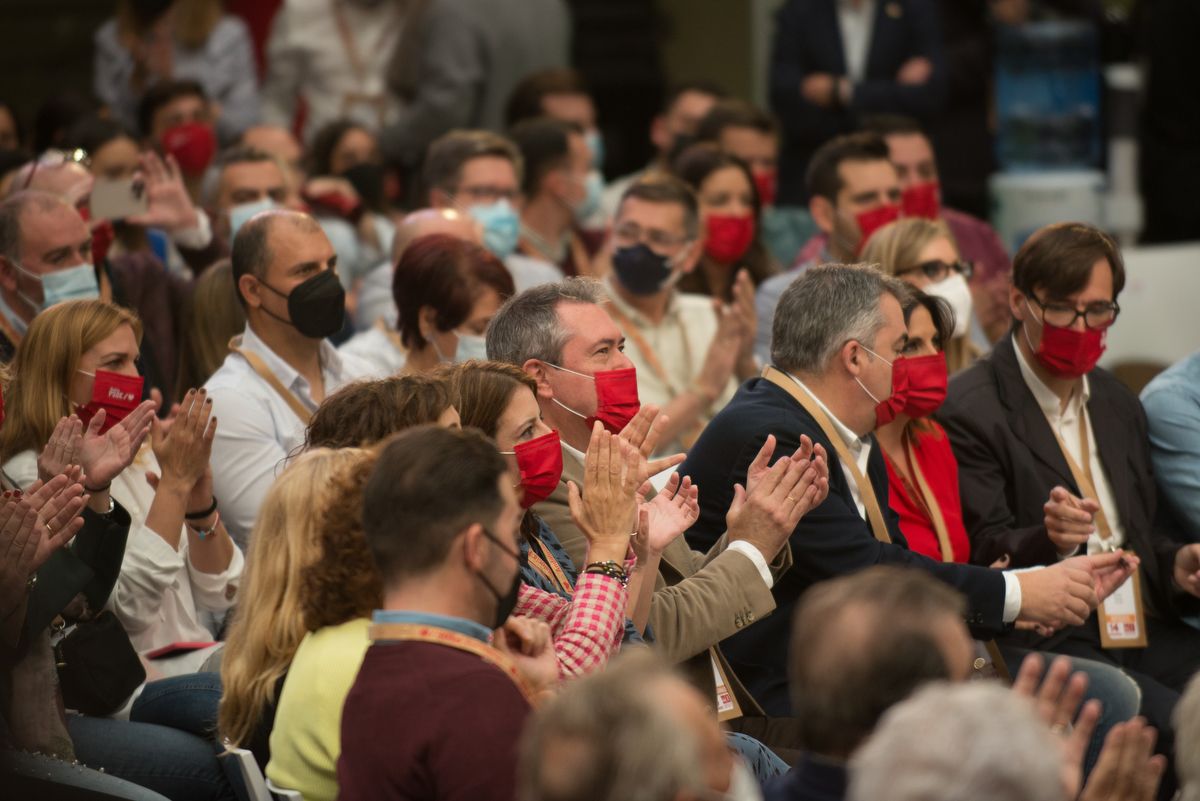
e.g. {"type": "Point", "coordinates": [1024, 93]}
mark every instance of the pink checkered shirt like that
{"type": "Point", "coordinates": [587, 629]}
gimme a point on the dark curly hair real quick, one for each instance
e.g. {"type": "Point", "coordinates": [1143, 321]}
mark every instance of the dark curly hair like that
{"type": "Point", "coordinates": [344, 583]}
{"type": "Point", "coordinates": [365, 412]}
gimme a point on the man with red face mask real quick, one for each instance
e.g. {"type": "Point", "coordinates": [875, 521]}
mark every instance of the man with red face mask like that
{"type": "Point", "coordinates": [1054, 460]}
{"type": "Point", "coordinates": [854, 190]}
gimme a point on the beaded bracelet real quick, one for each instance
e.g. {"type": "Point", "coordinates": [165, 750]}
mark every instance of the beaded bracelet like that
{"type": "Point", "coordinates": [611, 569]}
{"type": "Point", "coordinates": [204, 533]}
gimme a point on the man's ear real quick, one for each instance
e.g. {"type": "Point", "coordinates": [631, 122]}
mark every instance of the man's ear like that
{"type": "Point", "coordinates": [822, 211]}
{"type": "Point", "coordinates": [852, 357]}
{"type": "Point", "coordinates": [248, 287]}
{"type": "Point", "coordinates": [659, 134]}
{"type": "Point", "coordinates": [1017, 303]}
{"type": "Point", "coordinates": [538, 370]}
{"type": "Point", "coordinates": [691, 256]}
{"type": "Point", "coordinates": [474, 547]}
{"type": "Point", "coordinates": [8, 274]}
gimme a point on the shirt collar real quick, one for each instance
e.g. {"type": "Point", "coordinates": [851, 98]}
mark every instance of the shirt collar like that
{"type": "Point", "coordinates": [853, 441]}
{"type": "Point", "coordinates": [331, 361]}
{"type": "Point", "coordinates": [635, 316]}
{"type": "Point", "coordinates": [461, 625]}
{"type": "Point", "coordinates": [1045, 397]}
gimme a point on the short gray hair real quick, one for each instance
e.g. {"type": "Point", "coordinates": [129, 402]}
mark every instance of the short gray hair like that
{"type": "Point", "coordinates": [823, 309]}
{"type": "Point", "coordinates": [977, 740]}
{"type": "Point", "coordinates": [527, 326]}
{"type": "Point", "coordinates": [1187, 741]}
{"type": "Point", "coordinates": [13, 209]}
{"type": "Point", "coordinates": [606, 737]}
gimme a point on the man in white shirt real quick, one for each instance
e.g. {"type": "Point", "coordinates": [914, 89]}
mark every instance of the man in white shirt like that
{"type": "Point", "coordinates": [281, 368]}
{"type": "Point", "coordinates": [837, 332]}
{"type": "Point", "coordinates": [333, 54]}
{"type": "Point", "coordinates": [688, 349]}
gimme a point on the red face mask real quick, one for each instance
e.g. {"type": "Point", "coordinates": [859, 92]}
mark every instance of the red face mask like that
{"type": "Point", "coordinates": [871, 221]}
{"type": "Point", "coordinates": [767, 184]}
{"type": "Point", "coordinates": [193, 145]}
{"type": "Point", "coordinates": [1068, 353]}
{"type": "Point", "coordinates": [116, 394]}
{"type": "Point", "coordinates": [887, 409]}
{"type": "Point", "coordinates": [540, 462]}
{"type": "Point", "coordinates": [927, 377]}
{"type": "Point", "coordinates": [922, 200]}
{"type": "Point", "coordinates": [728, 237]}
{"type": "Point", "coordinates": [102, 236]}
{"type": "Point", "coordinates": [616, 397]}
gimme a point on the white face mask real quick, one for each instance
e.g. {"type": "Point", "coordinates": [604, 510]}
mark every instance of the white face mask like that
{"type": "Point", "coordinates": [470, 346]}
{"type": "Point", "coordinates": [954, 290]}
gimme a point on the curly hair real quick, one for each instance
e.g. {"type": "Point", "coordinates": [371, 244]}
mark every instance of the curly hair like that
{"type": "Point", "coordinates": [365, 412]}
{"type": "Point", "coordinates": [343, 583]}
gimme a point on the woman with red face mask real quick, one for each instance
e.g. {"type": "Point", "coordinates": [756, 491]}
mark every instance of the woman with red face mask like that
{"type": "Point", "coordinates": [731, 212]}
{"type": "Point", "coordinates": [500, 400]}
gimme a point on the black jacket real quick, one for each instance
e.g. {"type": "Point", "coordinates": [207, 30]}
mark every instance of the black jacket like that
{"type": "Point", "coordinates": [832, 540]}
{"type": "Point", "coordinates": [1009, 460]}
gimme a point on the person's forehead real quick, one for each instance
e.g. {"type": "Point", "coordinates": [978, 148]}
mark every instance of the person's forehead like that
{"type": "Point", "coordinates": [61, 179]}
{"type": "Point", "coordinates": [251, 175]}
{"type": "Point", "coordinates": [692, 104]}
{"type": "Point", "coordinates": [356, 139]}
{"type": "Point", "coordinates": [273, 140]}
{"type": "Point", "coordinates": [651, 214]}
{"type": "Point", "coordinates": [489, 170]}
{"type": "Point", "coordinates": [728, 178]}
{"type": "Point", "coordinates": [586, 323]}
{"type": "Point", "coordinates": [291, 243]}
{"type": "Point", "coordinates": [742, 138]}
{"type": "Point", "coordinates": [909, 147]}
{"type": "Point", "coordinates": [860, 176]}
{"type": "Point", "coordinates": [573, 107]}
{"type": "Point", "coordinates": [52, 228]}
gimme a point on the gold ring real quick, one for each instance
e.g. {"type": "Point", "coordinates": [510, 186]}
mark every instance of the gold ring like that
{"type": "Point", "coordinates": [790, 498]}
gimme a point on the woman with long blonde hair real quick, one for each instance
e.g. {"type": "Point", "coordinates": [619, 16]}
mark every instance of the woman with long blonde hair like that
{"type": "Point", "coordinates": [923, 253]}
{"type": "Point", "coordinates": [269, 622]}
{"type": "Point", "coordinates": [80, 358]}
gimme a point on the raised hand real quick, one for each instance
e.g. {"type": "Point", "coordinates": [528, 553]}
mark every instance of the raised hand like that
{"type": "Point", "coordinates": [1069, 521]}
{"type": "Point", "coordinates": [766, 516]}
{"type": "Point", "coordinates": [168, 205]}
{"type": "Point", "coordinates": [1056, 700]}
{"type": "Point", "coordinates": [57, 504]}
{"type": "Point", "coordinates": [805, 454]}
{"type": "Point", "coordinates": [60, 450]}
{"type": "Point", "coordinates": [105, 456]}
{"type": "Point", "coordinates": [747, 315]}
{"type": "Point", "coordinates": [1127, 769]}
{"type": "Point", "coordinates": [183, 454]}
{"type": "Point", "coordinates": [1187, 569]}
{"type": "Point", "coordinates": [605, 511]}
{"type": "Point", "coordinates": [528, 645]}
{"type": "Point", "coordinates": [642, 434]}
{"type": "Point", "coordinates": [668, 515]}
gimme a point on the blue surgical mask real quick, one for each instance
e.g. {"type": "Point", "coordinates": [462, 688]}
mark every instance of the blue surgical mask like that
{"type": "Point", "coordinates": [501, 226]}
{"type": "Point", "coordinates": [470, 346]}
{"type": "Point", "coordinates": [240, 214]}
{"type": "Point", "coordinates": [73, 283]}
{"type": "Point", "coordinates": [595, 143]}
{"type": "Point", "coordinates": [586, 208]}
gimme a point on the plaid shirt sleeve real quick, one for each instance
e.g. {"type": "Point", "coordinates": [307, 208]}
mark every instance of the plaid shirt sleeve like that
{"type": "Point", "coordinates": [587, 629]}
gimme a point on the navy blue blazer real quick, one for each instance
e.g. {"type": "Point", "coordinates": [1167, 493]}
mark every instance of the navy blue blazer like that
{"type": "Point", "coordinates": [808, 40]}
{"type": "Point", "coordinates": [832, 540]}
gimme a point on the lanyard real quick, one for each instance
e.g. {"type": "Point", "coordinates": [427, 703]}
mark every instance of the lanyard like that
{"type": "Point", "coordinates": [265, 374]}
{"type": "Point", "coordinates": [865, 491]}
{"type": "Point", "coordinates": [548, 566]}
{"type": "Point", "coordinates": [1083, 475]}
{"type": "Point", "coordinates": [413, 632]}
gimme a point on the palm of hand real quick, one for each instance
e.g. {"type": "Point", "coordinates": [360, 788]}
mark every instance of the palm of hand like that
{"type": "Point", "coordinates": [104, 456]}
{"type": "Point", "coordinates": [668, 518]}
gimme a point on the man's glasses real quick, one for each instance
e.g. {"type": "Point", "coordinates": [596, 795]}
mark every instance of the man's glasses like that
{"type": "Point", "coordinates": [1097, 315]}
{"type": "Point", "coordinates": [52, 159]}
{"type": "Point", "coordinates": [630, 234]}
{"type": "Point", "coordinates": [938, 270]}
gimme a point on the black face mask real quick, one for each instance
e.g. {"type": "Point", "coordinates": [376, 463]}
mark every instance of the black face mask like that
{"type": "Point", "coordinates": [367, 180]}
{"type": "Point", "coordinates": [507, 602]}
{"type": "Point", "coordinates": [640, 269]}
{"type": "Point", "coordinates": [317, 306]}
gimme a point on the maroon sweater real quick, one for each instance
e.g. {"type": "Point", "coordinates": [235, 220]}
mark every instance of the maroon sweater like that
{"type": "Point", "coordinates": [426, 721]}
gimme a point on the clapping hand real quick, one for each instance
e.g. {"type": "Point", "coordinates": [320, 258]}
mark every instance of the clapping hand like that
{"type": "Point", "coordinates": [778, 497]}
{"type": "Point", "coordinates": [1127, 769]}
{"type": "Point", "coordinates": [1057, 701]}
{"type": "Point", "coordinates": [528, 645]}
{"type": "Point", "coordinates": [666, 517]}
{"type": "Point", "coordinates": [606, 509]}
{"type": "Point", "coordinates": [641, 433]}
{"type": "Point", "coordinates": [183, 453]}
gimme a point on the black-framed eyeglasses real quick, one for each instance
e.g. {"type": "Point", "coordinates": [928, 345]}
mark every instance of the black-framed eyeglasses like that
{"type": "Point", "coordinates": [1097, 315]}
{"type": "Point", "coordinates": [937, 270]}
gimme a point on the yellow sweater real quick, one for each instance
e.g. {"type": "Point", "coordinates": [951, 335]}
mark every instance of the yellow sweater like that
{"type": "Point", "coordinates": [306, 740]}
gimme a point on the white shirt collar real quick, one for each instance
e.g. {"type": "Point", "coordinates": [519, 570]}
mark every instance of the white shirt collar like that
{"type": "Point", "coordinates": [853, 441]}
{"type": "Point", "coordinates": [635, 316]}
{"type": "Point", "coordinates": [1045, 397]}
{"type": "Point", "coordinates": [331, 361]}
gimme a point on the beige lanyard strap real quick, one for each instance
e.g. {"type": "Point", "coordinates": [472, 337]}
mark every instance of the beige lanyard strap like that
{"type": "Point", "coordinates": [260, 367]}
{"type": "Point", "coordinates": [865, 491]}
{"type": "Point", "coordinates": [1083, 475]}
{"type": "Point", "coordinates": [544, 562]}
{"type": "Point", "coordinates": [413, 632]}
{"type": "Point", "coordinates": [932, 508]}
{"type": "Point", "coordinates": [648, 353]}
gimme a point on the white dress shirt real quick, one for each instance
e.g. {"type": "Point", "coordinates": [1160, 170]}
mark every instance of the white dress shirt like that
{"type": "Point", "coordinates": [860, 449]}
{"type": "Point", "coordinates": [856, 21]}
{"type": "Point", "coordinates": [258, 429]}
{"type": "Point", "coordinates": [307, 57]}
{"type": "Point", "coordinates": [376, 347]}
{"type": "Point", "coordinates": [1066, 424]}
{"type": "Point", "coordinates": [160, 596]}
{"type": "Point", "coordinates": [741, 546]}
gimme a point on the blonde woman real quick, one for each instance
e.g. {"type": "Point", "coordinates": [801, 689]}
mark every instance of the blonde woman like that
{"type": "Point", "coordinates": [210, 320]}
{"type": "Point", "coordinates": [80, 357]}
{"type": "Point", "coordinates": [269, 624]}
{"type": "Point", "coordinates": [923, 253]}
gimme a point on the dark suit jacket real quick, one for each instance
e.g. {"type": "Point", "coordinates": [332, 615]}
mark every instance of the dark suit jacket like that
{"type": "Point", "coordinates": [808, 40]}
{"type": "Point", "coordinates": [832, 540]}
{"type": "Point", "coordinates": [1009, 460]}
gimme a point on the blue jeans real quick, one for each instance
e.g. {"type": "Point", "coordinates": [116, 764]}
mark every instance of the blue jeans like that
{"type": "Point", "coordinates": [762, 761]}
{"type": "Point", "coordinates": [188, 703]}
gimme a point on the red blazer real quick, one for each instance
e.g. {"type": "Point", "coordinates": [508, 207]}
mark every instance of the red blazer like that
{"type": "Point", "coordinates": [940, 469]}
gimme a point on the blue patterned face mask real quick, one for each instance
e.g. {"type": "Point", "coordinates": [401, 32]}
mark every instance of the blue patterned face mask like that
{"type": "Point", "coordinates": [73, 283]}
{"type": "Point", "coordinates": [501, 226]}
